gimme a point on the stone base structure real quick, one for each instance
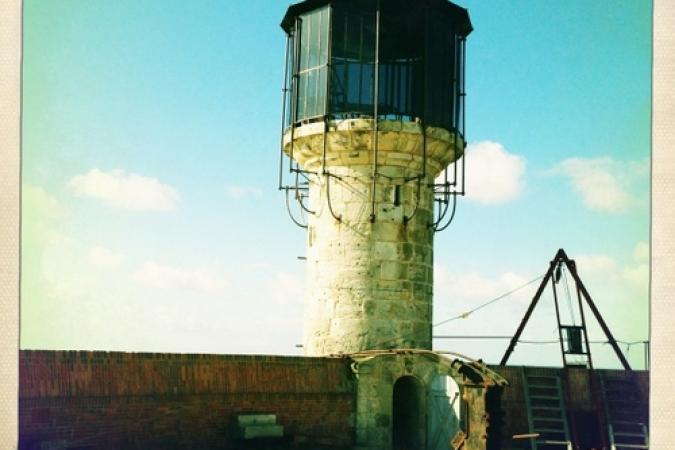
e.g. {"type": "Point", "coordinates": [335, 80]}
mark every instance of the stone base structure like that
{"type": "Point", "coordinates": [395, 401]}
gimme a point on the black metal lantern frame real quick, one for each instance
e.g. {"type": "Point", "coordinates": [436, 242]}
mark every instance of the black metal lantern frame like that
{"type": "Point", "coordinates": [384, 59]}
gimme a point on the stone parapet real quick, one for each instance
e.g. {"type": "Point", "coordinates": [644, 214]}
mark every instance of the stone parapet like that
{"type": "Point", "coordinates": [349, 142]}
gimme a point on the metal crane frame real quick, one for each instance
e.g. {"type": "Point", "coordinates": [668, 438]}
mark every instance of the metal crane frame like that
{"type": "Point", "coordinates": [557, 262]}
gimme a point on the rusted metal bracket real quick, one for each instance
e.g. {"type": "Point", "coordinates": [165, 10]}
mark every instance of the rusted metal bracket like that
{"type": "Point", "coordinates": [457, 442]}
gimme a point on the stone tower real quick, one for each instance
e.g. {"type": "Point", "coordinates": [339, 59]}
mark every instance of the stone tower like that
{"type": "Point", "coordinates": [373, 114]}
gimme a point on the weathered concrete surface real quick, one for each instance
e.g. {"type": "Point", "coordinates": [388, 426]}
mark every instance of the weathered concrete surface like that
{"type": "Point", "coordinates": [369, 277]}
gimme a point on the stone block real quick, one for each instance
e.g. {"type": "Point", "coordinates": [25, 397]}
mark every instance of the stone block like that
{"type": "Point", "coordinates": [388, 232]}
{"type": "Point", "coordinates": [405, 251]}
{"type": "Point", "coordinates": [393, 270]}
{"type": "Point", "coordinates": [244, 420]}
{"type": "Point", "coordinates": [391, 213]}
{"type": "Point", "coordinates": [260, 431]}
{"type": "Point", "coordinates": [385, 250]}
{"type": "Point", "coordinates": [417, 273]}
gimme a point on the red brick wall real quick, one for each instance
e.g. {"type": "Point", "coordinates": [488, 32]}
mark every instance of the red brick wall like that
{"type": "Point", "coordinates": [106, 400]}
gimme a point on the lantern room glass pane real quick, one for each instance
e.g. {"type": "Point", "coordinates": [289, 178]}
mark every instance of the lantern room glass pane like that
{"type": "Point", "coordinates": [442, 92]}
{"type": "Point", "coordinates": [401, 55]}
{"type": "Point", "coordinates": [352, 59]}
{"type": "Point", "coordinates": [312, 33]}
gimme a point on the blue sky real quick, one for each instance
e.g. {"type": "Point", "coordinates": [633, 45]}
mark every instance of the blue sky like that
{"type": "Point", "coordinates": [150, 148]}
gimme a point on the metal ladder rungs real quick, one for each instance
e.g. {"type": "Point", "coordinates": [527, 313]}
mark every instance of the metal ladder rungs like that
{"type": "Point", "coordinates": [546, 408]}
{"type": "Point", "coordinates": [549, 424]}
{"type": "Point", "coordinates": [549, 430]}
{"type": "Point", "coordinates": [620, 401]}
{"type": "Point", "coordinates": [628, 434]}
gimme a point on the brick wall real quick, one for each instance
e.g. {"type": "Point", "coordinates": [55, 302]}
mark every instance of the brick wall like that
{"type": "Point", "coordinates": [106, 400]}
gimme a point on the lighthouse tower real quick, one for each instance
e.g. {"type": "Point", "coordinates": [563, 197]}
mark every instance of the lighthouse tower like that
{"type": "Point", "coordinates": [371, 162]}
{"type": "Point", "coordinates": [373, 116]}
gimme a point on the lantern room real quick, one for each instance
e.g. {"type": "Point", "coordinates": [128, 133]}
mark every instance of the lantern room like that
{"type": "Point", "coordinates": [390, 59]}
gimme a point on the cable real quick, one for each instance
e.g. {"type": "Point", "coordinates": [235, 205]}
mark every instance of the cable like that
{"type": "Point", "coordinates": [569, 297]}
{"type": "Point", "coordinates": [494, 337]}
{"type": "Point", "coordinates": [626, 343]}
{"type": "Point", "coordinates": [467, 313]}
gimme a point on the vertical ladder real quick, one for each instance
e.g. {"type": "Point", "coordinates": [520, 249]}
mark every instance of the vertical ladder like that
{"type": "Point", "coordinates": [546, 411]}
{"type": "Point", "coordinates": [626, 412]}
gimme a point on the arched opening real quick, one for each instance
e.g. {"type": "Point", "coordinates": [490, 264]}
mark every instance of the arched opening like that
{"type": "Point", "coordinates": [409, 424]}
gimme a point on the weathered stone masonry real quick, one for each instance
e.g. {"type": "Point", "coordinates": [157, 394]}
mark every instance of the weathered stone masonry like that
{"type": "Point", "coordinates": [369, 281]}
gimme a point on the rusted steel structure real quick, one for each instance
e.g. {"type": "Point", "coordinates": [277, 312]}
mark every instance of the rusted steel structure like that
{"type": "Point", "coordinates": [574, 332]}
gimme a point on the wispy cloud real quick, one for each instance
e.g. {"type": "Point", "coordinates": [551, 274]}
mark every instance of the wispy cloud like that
{"type": "Point", "coordinates": [37, 201]}
{"type": "Point", "coordinates": [595, 263]}
{"type": "Point", "coordinates": [638, 272]}
{"type": "Point", "coordinates": [42, 213]}
{"type": "Point", "coordinates": [125, 190]}
{"type": "Point", "coordinates": [641, 252]}
{"type": "Point", "coordinates": [634, 272]}
{"type": "Point", "coordinates": [603, 183]}
{"type": "Point", "coordinates": [201, 279]}
{"type": "Point", "coordinates": [477, 287]}
{"type": "Point", "coordinates": [104, 258]}
{"type": "Point", "coordinates": [493, 175]}
{"type": "Point", "coordinates": [240, 192]}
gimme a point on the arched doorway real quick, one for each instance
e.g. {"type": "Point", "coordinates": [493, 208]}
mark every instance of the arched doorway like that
{"type": "Point", "coordinates": [409, 414]}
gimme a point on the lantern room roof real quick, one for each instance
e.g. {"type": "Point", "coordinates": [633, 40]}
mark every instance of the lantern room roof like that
{"type": "Point", "coordinates": [440, 6]}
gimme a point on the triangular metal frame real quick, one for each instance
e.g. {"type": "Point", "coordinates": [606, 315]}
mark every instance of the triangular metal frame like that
{"type": "Point", "coordinates": [559, 259]}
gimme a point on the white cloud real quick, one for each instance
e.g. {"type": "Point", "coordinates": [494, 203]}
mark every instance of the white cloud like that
{"type": "Point", "coordinates": [104, 258]}
{"type": "Point", "coordinates": [240, 192]}
{"type": "Point", "coordinates": [595, 263]}
{"type": "Point", "coordinates": [473, 286]}
{"type": "Point", "coordinates": [41, 215]}
{"type": "Point", "coordinates": [38, 202]}
{"type": "Point", "coordinates": [641, 252]}
{"type": "Point", "coordinates": [199, 279]}
{"type": "Point", "coordinates": [605, 268]}
{"type": "Point", "coordinates": [603, 182]}
{"type": "Point", "coordinates": [638, 275]}
{"type": "Point", "coordinates": [493, 175]}
{"type": "Point", "coordinates": [125, 190]}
